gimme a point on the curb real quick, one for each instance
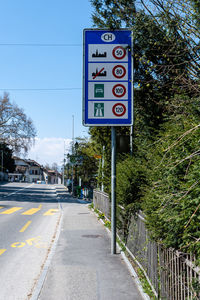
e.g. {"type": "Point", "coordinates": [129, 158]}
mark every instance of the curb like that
{"type": "Point", "coordinates": [40, 282]}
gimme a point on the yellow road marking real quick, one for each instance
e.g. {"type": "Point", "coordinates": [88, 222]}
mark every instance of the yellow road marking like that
{"type": "Point", "coordinates": [10, 211]}
{"type": "Point", "coordinates": [50, 212]}
{"type": "Point", "coordinates": [18, 245]}
{"type": "Point", "coordinates": [30, 242]}
{"type": "Point", "coordinates": [1, 207]}
{"type": "Point", "coordinates": [2, 251]}
{"type": "Point", "coordinates": [31, 211]}
{"type": "Point", "coordinates": [25, 226]}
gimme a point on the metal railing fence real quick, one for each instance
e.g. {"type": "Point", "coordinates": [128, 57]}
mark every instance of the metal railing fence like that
{"type": "Point", "coordinates": [172, 275]}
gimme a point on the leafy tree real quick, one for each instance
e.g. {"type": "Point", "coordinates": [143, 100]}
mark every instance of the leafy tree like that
{"type": "Point", "coordinates": [84, 162]}
{"type": "Point", "coordinates": [171, 201]}
{"type": "Point", "coordinates": [180, 21]}
{"type": "Point", "coordinates": [7, 163]}
{"type": "Point", "coordinates": [16, 129]}
{"type": "Point", "coordinates": [162, 177]}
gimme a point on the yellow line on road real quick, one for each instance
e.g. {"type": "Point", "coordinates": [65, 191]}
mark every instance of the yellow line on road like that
{"type": "Point", "coordinates": [50, 212]}
{"type": "Point", "coordinates": [1, 207]}
{"type": "Point", "coordinates": [10, 211]}
{"type": "Point", "coordinates": [2, 251]}
{"type": "Point", "coordinates": [40, 206]}
{"type": "Point", "coordinates": [31, 211]}
{"type": "Point", "coordinates": [25, 226]}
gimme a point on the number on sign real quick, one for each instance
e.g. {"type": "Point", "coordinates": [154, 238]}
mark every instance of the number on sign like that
{"type": "Point", "coordinates": [119, 90]}
{"type": "Point", "coordinates": [119, 52]}
{"type": "Point", "coordinates": [119, 71]}
{"type": "Point", "coordinates": [119, 109]}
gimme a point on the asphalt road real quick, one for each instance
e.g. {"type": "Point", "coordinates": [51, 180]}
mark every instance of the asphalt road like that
{"type": "Point", "coordinates": [29, 218]}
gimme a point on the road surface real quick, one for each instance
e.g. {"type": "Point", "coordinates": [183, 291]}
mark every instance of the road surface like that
{"type": "Point", "coordinates": [29, 217]}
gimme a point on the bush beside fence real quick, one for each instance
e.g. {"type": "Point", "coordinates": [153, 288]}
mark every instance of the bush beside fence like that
{"type": "Point", "coordinates": [173, 275]}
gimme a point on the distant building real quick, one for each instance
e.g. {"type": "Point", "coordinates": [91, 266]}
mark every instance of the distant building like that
{"type": "Point", "coordinates": [54, 177]}
{"type": "Point", "coordinates": [27, 170]}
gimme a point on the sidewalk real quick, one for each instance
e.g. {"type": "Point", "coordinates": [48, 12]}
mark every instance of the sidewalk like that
{"type": "Point", "coordinates": [82, 267]}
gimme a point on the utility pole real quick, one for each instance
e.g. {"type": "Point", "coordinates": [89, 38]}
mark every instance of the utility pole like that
{"type": "Point", "coordinates": [72, 154]}
{"type": "Point", "coordinates": [64, 166]}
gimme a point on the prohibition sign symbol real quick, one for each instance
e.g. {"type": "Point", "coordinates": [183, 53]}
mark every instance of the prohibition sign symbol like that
{"type": "Point", "coordinates": [119, 71]}
{"type": "Point", "coordinates": [119, 109]}
{"type": "Point", "coordinates": [119, 52]}
{"type": "Point", "coordinates": [119, 90]}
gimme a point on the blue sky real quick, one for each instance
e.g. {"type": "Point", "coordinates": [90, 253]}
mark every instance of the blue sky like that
{"type": "Point", "coordinates": [37, 67]}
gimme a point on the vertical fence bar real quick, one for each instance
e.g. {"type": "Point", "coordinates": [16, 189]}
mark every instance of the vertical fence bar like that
{"type": "Point", "coordinates": [177, 270]}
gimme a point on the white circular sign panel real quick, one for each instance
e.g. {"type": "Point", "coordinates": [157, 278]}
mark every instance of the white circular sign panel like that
{"type": "Point", "coordinates": [119, 90]}
{"type": "Point", "coordinates": [119, 52]}
{"type": "Point", "coordinates": [119, 109]}
{"type": "Point", "coordinates": [119, 71]}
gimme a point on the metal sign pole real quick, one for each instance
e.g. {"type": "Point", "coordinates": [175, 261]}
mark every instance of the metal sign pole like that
{"type": "Point", "coordinates": [108, 90]}
{"type": "Point", "coordinates": [113, 191]}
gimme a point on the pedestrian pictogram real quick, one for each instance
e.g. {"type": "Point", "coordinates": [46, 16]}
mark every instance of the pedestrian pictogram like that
{"type": "Point", "coordinates": [119, 52]}
{"type": "Point", "coordinates": [119, 109]}
{"type": "Point", "coordinates": [119, 90]}
{"type": "Point", "coordinates": [98, 109]}
{"type": "Point", "coordinates": [119, 71]}
{"type": "Point", "coordinates": [99, 90]}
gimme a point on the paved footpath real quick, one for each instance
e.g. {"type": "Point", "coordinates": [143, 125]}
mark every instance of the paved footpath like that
{"type": "Point", "coordinates": [82, 267]}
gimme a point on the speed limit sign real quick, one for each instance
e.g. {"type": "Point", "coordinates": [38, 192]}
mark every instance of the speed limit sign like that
{"type": "Point", "coordinates": [119, 109]}
{"type": "Point", "coordinates": [108, 77]}
{"type": "Point", "coordinates": [119, 52]}
{"type": "Point", "coordinates": [119, 90]}
{"type": "Point", "coordinates": [119, 71]}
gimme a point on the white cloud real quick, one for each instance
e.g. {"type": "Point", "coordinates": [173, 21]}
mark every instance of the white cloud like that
{"type": "Point", "coordinates": [49, 150]}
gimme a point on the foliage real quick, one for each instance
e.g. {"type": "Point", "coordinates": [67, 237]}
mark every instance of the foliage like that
{"type": "Point", "coordinates": [179, 50]}
{"type": "Point", "coordinates": [6, 161]}
{"type": "Point", "coordinates": [172, 203]}
{"type": "Point", "coordinates": [102, 138]}
{"type": "Point", "coordinates": [85, 164]}
{"type": "Point", "coordinates": [162, 178]}
{"type": "Point", "coordinates": [130, 180]}
{"type": "Point", "coordinates": [16, 129]}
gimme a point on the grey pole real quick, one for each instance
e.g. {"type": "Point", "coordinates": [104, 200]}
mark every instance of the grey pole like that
{"type": "Point", "coordinates": [63, 181]}
{"type": "Point", "coordinates": [72, 154]}
{"type": "Point", "coordinates": [102, 185]}
{"type": "Point", "coordinates": [131, 140]}
{"type": "Point", "coordinates": [113, 191]}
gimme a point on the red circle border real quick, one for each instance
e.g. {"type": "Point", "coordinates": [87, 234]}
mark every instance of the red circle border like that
{"type": "Point", "coordinates": [124, 69]}
{"type": "Point", "coordinates": [123, 113]}
{"type": "Point", "coordinates": [115, 93]}
{"type": "Point", "coordinates": [118, 47]}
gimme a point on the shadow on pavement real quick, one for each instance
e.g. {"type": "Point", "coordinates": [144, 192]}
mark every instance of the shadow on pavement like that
{"type": "Point", "coordinates": [37, 195]}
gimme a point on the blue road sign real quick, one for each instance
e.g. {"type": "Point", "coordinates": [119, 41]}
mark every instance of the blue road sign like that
{"type": "Point", "coordinates": [107, 78]}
